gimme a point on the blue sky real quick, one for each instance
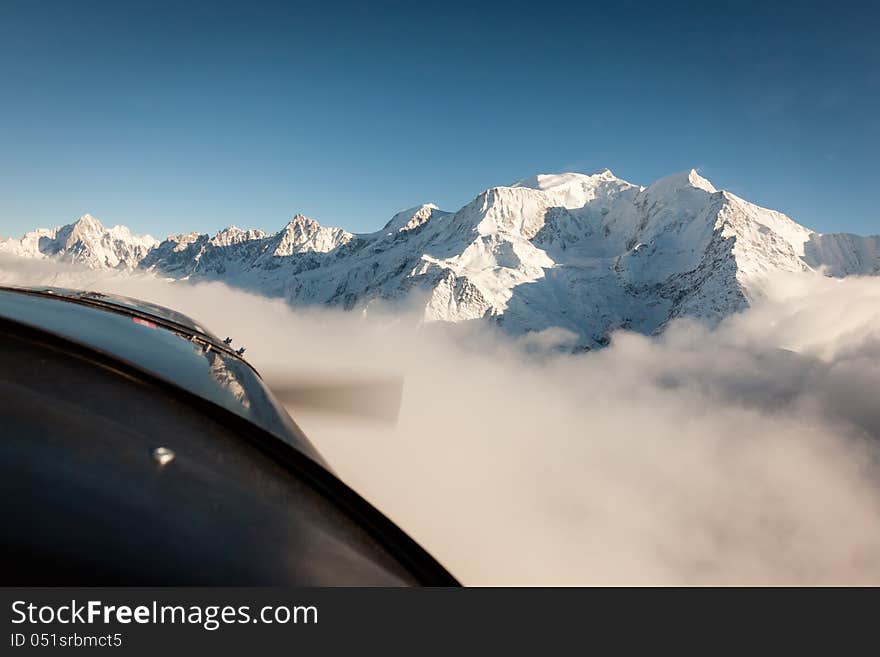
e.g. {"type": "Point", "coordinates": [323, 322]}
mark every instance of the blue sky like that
{"type": "Point", "coordinates": [173, 117]}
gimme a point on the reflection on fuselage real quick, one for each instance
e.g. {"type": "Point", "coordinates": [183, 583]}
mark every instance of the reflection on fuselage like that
{"type": "Point", "coordinates": [224, 376]}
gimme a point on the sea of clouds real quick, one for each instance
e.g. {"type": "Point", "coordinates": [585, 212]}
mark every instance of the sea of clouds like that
{"type": "Point", "coordinates": [744, 454]}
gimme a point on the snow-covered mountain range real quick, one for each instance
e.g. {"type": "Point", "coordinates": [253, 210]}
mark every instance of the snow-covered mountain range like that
{"type": "Point", "coordinates": [85, 241]}
{"type": "Point", "coordinates": [588, 253]}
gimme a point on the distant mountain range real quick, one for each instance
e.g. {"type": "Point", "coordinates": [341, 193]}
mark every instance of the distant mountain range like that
{"type": "Point", "coordinates": [588, 253]}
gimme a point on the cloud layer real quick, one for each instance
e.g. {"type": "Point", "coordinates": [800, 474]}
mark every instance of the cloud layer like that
{"type": "Point", "coordinates": [747, 454]}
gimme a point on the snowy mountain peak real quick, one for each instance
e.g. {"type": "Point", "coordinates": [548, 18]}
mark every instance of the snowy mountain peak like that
{"type": "Point", "coordinates": [87, 223]}
{"type": "Point", "coordinates": [696, 180]}
{"type": "Point", "coordinates": [411, 218]}
{"type": "Point", "coordinates": [300, 219]}
{"type": "Point", "coordinates": [303, 234]}
{"type": "Point", "coordinates": [683, 181]}
{"type": "Point", "coordinates": [301, 225]}
{"type": "Point", "coordinates": [235, 235]}
{"type": "Point", "coordinates": [86, 228]}
{"type": "Point", "coordinates": [555, 181]}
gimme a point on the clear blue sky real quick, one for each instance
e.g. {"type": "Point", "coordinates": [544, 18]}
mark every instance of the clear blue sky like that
{"type": "Point", "coordinates": [193, 116]}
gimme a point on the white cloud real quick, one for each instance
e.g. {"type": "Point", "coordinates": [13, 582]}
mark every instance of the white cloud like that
{"type": "Point", "coordinates": [747, 454]}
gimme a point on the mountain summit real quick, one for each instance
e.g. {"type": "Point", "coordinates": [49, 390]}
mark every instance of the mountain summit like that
{"type": "Point", "coordinates": [588, 253]}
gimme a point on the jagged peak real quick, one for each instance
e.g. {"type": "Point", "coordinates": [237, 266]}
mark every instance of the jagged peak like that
{"type": "Point", "coordinates": [185, 237]}
{"type": "Point", "coordinates": [235, 230]}
{"type": "Point", "coordinates": [696, 180]}
{"type": "Point", "coordinates": [235, 235]}
{"type": "Point", "coordinates": [88, 228]}
{"type": "Point", "coordinates": [551, 181]}
{"type": "Point", "coordinates": [85, 226]}
{"type": "Point", "coordinates": [410, 218]}
{"type": "Point", "coordinates": [303, 234]}
{"type": "Point", "coordinates": [88, 221]}
{"type": "Point", "coordinates": [300, 219]}
{"type": "Point", "coordinates": [681, 180]}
